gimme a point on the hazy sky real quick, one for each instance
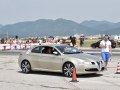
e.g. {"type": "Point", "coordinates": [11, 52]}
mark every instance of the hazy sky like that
{"type": "Point", "coordinates": [12, 11]}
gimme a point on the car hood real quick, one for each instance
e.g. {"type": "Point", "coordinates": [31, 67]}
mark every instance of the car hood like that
{"type": "Point", "coordinates": [84, 56]}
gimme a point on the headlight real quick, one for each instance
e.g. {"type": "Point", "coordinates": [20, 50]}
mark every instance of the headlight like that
{"type": "Point", "coordinates": [87, 62]}
{"type": "Point", "coordinates": [83, 62]}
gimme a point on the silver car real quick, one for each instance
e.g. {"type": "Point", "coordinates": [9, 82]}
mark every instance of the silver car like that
{"type": "Point", "coordinates": [59, 58]}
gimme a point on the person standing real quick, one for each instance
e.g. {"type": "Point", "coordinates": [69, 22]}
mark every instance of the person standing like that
{"type": "Point", "coordinates": [71, 41]}
{"type": "Point", "coordinates": [81, 43]}
{"type": "Point", "coordinates": [82, 39]}
{"type": "Point", "coordinates": [74, 41]}
{"type": "Point", "coordinates": [106, 50]}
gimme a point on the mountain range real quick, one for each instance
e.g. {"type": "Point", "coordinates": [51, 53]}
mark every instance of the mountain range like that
{"type": "Point", "coordinates": [0, 25]}
{"type": "Point", "coordinates": [59, 27]}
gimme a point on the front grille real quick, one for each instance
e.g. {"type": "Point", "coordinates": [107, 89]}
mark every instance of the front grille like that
{"type": "Point", "coordinates": [98, 63]}
{"type": "Point", "coordinates": [91, 69]}
{"type": "Point", "coordinates": [101, 62]}
{"type": "Point", "coordinates": [102, 69]}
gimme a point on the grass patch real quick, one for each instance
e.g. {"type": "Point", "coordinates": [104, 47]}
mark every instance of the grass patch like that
{"type": "Point", "coordinates": [87, 42]}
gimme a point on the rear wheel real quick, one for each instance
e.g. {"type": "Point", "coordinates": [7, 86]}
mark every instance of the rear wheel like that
{"type": "Point", "coordinates": [25, 66]}
{"type": "Point", "coordinates": [113, 46]}
{"type": "Point", "coordinates": [68, 69]}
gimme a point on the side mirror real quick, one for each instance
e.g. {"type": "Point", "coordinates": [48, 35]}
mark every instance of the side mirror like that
{"type": "Point", "coordinates": [55, 53]}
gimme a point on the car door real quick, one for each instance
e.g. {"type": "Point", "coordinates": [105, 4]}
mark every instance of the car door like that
{"type": "Point", "coordinates": [51, 61]}
{"type": "Point", "coordinates": [35, 57]}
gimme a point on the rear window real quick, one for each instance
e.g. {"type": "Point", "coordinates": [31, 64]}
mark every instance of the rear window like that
{"type": "Point", "coordinates": [36, 50]}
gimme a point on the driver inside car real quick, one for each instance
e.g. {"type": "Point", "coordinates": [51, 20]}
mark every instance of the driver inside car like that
{"type": "Point", "coordinates": [47, 50]}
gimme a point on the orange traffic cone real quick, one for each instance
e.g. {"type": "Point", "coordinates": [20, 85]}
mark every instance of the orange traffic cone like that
{"type": "Point", "coordinates": [74, 77]}
{"type": "Point", "coordinates": [118, 68]}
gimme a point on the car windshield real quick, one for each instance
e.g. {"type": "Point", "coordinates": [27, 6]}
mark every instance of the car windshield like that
{"type": "Point", "coordinates": [68, 49]}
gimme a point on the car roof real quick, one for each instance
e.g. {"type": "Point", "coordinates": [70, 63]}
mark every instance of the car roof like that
{"type": "Point", "coordinates": [53, 45]}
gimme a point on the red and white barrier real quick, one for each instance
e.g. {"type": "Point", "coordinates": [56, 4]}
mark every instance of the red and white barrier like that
{"type": "Point", "coordinates": [4, 46]}
{"type": "Point", "coordinates": [17, 46]}
{"type": "Point", "coordinates": [20, 46]}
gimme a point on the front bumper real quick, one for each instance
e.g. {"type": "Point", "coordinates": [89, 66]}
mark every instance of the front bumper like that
{"type": "Point", "coordinates": [97, 67]}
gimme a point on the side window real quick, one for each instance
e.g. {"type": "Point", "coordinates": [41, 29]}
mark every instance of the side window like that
{"type": "Point", "coordinates": [47, 50]}
{"type": "Point", "coordinates": [36, 50]}
{"type": "Point", "coordinates": [54, 50]}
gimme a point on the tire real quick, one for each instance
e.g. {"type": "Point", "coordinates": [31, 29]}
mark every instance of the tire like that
{"type": "Point", "coordinates": [25, 66]}
{"type": "Point", "coordinates": [93, 46]}
{"type": "Point", "coordinates": [68, 69]}
{"type": "Point", "coordinates": [113, 46]}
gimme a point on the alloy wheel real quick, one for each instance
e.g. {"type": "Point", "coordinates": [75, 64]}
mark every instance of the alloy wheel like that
{"type": "Point", "coordinates": [68, 69]}
{"type": "Point", "coordinates": [26, 67]}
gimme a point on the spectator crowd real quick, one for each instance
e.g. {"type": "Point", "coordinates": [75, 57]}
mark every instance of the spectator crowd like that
{"type": "Point", "coordinates": [71, 40]}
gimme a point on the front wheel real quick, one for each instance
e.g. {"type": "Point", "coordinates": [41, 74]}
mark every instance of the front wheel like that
{"type": "Point", "coordinates": [25, 66]}
{"type": "Point", "coordinates": [68, 69]}
{"type": "Point", "coordinates": [93, 46]}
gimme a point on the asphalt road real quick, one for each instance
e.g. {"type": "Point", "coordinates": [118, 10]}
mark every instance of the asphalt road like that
{"type": "Point", "coordinates": [11, 77]}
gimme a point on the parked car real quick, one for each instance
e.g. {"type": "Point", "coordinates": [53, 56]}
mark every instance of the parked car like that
{"type": "Point", "coordinates": [59, 58]}
{"type": "Point", "coordinates": [97, 44]}
{"type": "Point", "coordinates": [118, 42]}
